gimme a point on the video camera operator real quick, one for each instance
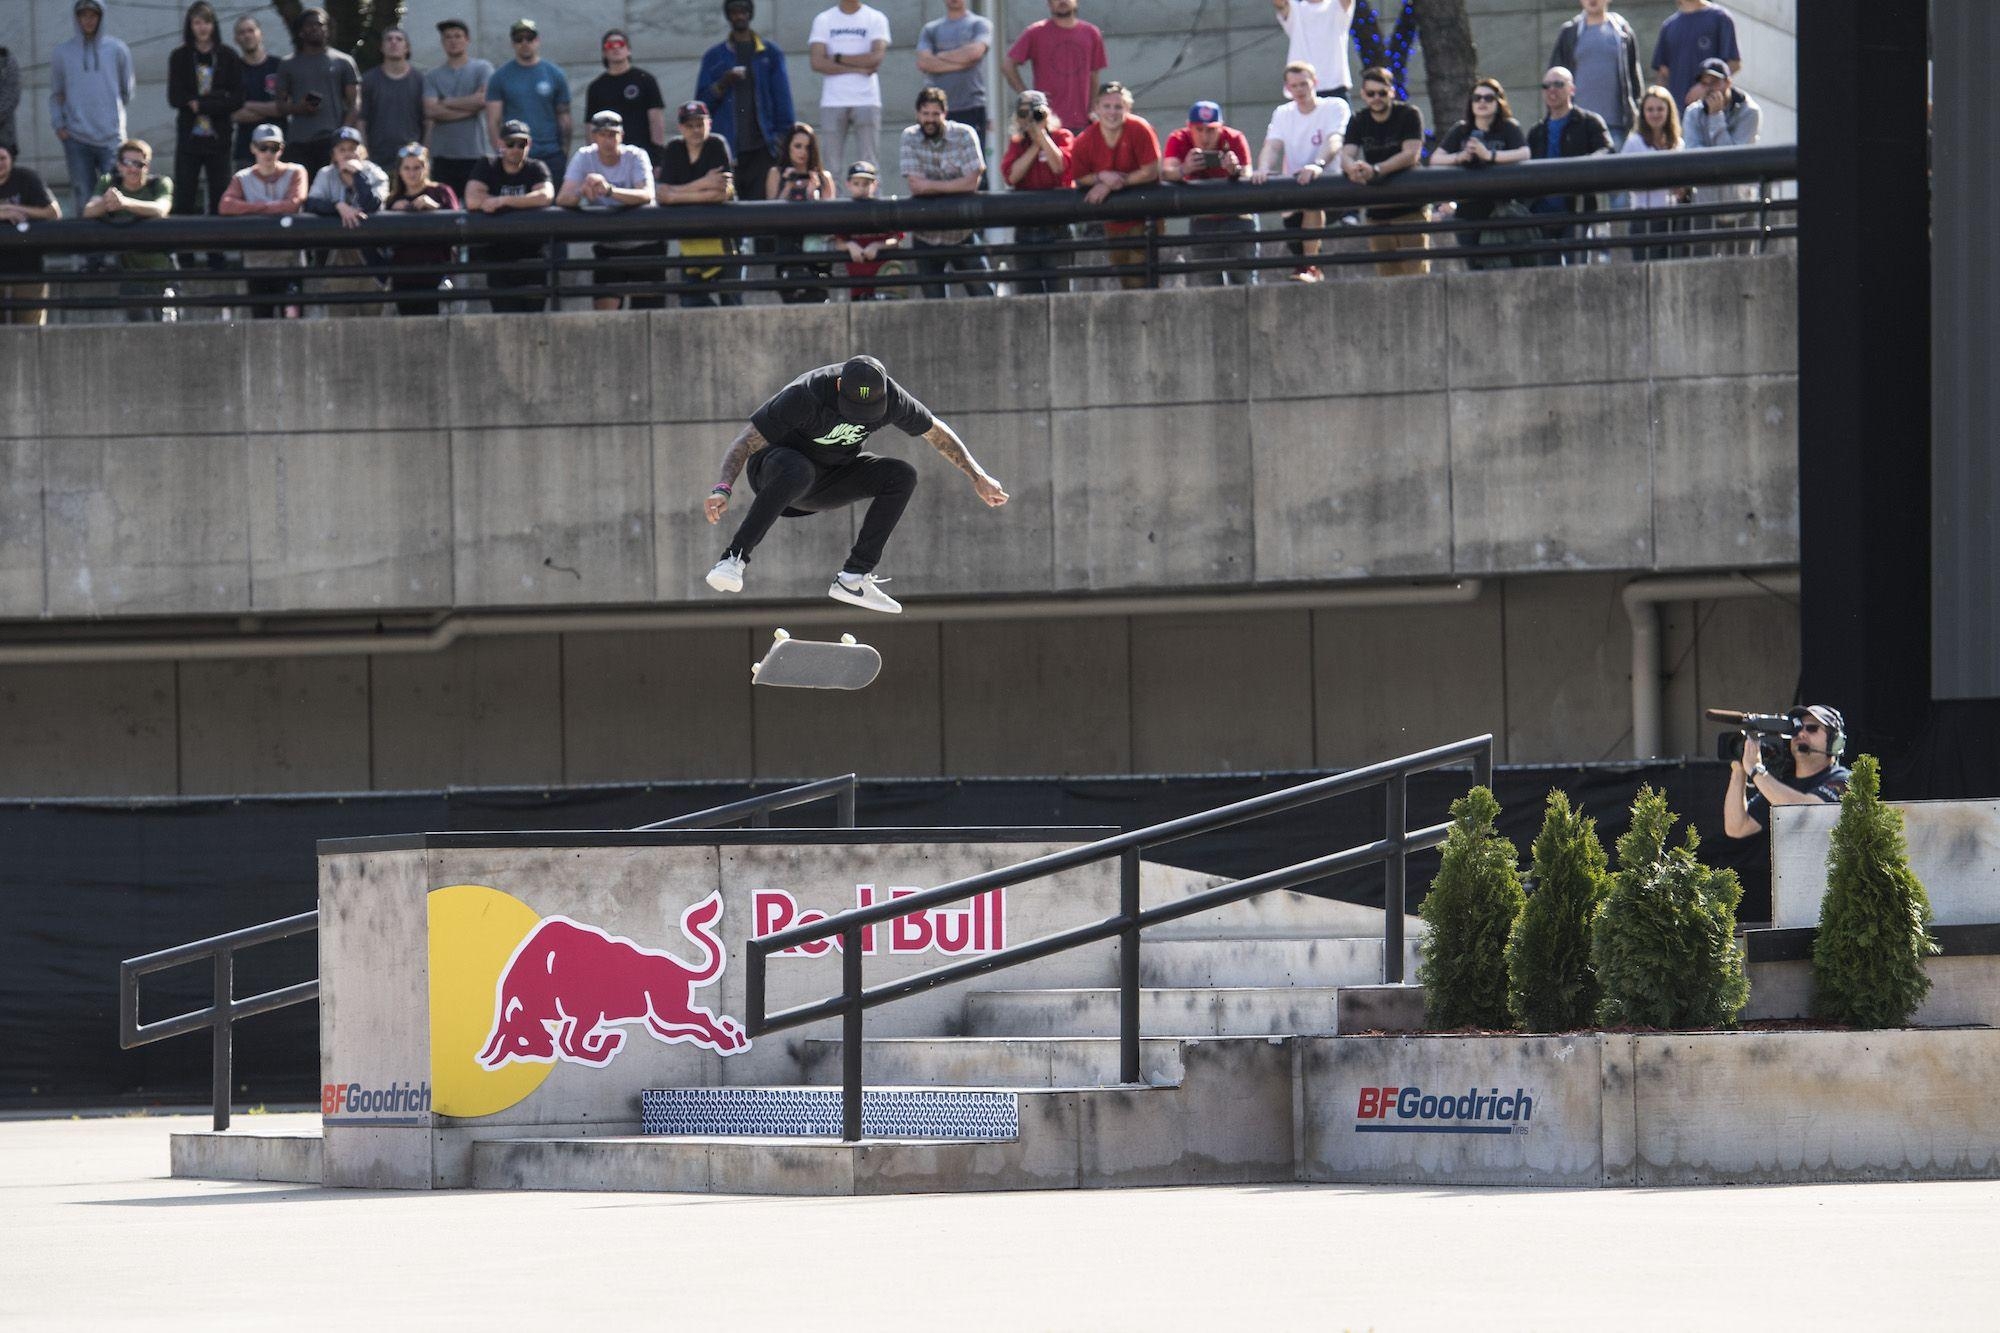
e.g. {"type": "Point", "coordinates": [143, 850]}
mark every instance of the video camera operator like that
{"type": "Point", "coordinates": [1818, 735]}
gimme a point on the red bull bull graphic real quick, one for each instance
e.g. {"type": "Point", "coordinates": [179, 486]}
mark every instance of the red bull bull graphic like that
{"type": "Point", "coordinates": [980, 926]}
{"type": "Point", "coordinates": [570, 989]}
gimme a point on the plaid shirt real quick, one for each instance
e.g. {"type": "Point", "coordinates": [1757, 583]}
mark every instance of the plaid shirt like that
{"type": "Point", "coordinates": [949, 157]}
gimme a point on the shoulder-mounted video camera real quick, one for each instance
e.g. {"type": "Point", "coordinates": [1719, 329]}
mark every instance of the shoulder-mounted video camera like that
{"type": "Point", "coordinates": [1774, 731]}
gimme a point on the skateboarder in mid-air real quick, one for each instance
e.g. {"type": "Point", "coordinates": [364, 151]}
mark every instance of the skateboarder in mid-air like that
{"type": "Point", "coordinates": [805, 456]}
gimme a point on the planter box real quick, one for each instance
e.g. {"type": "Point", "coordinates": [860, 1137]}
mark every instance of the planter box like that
{"type": "Point", "coordinates": [1658, 1109]}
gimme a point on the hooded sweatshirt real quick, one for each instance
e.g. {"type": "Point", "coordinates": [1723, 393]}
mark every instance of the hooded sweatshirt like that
{"type": "Point", "coordinates": [90, 81]}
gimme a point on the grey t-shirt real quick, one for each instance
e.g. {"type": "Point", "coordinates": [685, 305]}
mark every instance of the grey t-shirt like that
{"type": "Point", "coordinates": [632, 171]}
{"type": "Point", "coordinates": [967, 88]}
{"type": "Point", "coordinates": [330, 74]}
{"type": "Point", "coordinates": [393, 110]}
{"type": "Point", "coordinates": [1598, 53]}
{"type": "Point", "coordinates": [459, 138]}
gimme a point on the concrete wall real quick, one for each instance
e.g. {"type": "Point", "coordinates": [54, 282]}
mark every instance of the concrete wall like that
{"type": "Point", "coordinates": [1954, 850]}
{"type": "Point", "coordinates": [1181, 693]}
{"type": "Point", "coordinates": [1234, 55]}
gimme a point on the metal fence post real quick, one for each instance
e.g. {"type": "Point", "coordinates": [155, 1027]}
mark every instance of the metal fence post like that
{"type": "Point", "coordinates": [843, 806]}
{"type": "Point", "coordinates": [1128, 967]}
{"type": "Point", "coordinates": [1396, 800]}
{"type": "Point", "coordinates": [850, 1034]}
{"type": "Point", "coordinates": [219, 1031]}
{"type": "Point", "coordinates": [1152, 255]}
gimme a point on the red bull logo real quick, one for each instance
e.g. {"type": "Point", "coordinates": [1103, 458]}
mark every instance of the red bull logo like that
{"type": "Point", "coordinates": [979, 926]}
{"type": "Point", "coordinates": [570, 989]}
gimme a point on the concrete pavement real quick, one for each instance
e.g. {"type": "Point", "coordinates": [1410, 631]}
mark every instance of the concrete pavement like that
{"type": "Point", "coordinates": [94, 1235]}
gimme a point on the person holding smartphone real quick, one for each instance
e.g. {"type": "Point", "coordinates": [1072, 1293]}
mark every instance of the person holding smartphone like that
{"type": "Point", "coordinates": [1206, 151]}
{"type": "Point", "coordinates": [319, 90]}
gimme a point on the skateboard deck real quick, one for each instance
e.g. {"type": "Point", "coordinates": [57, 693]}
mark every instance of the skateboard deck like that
{"type": "Point", "coordinates": [816, 665]}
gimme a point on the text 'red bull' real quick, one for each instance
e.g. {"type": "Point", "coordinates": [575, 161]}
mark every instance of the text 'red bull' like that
{"type": "Point", "coordinates": [568, 987]}
{"type": "Point", "coordinates": [978, 927]}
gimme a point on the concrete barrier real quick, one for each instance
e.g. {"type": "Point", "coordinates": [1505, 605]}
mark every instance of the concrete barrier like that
{"type": "Point", "coordinates": [1954, 849]}
{"type": "Point", "coordinates": [499, 986]}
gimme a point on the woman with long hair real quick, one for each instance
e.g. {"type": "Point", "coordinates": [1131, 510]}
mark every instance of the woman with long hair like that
{"type": "Point", "coordinates": [1488, 136]}
{"type": "Point", "coordinates": [1658, 131]}
{"type": "Point", "coordinates": [413, 191]}
{"type": "Point", "coordinates": [204, 87]}
{"type": "Point", "coordinates": [800, 176]}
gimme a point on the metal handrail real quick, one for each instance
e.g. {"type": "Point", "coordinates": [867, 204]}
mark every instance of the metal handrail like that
{"type": "Point", "coordinates": [224, 1009]}
{"type": "Point", "coordinates": [759, 808]}
{"type": "Point", "coordinates": [856, 998]}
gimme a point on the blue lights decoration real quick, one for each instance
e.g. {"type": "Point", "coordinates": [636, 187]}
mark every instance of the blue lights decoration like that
{"type": "Point", "coordinates": [1392, 52]}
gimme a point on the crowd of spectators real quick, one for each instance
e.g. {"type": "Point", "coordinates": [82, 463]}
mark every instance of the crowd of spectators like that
{"type": "Point", "coordinates": [258, 134]}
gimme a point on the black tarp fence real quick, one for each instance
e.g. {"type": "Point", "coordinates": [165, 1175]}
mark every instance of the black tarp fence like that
{"type": "Point", "coordinates": [84, 884]}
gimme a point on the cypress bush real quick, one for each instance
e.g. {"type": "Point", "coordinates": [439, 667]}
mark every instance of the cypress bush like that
{"type": "Point", "coordinates": [1550, 984]}
{"type": "Point", "coordinates": [1868, 957]}
{"type": "Point", "coordinates": [1467, 914]}
{"type": "Point", "coordinates": [1664, 942]}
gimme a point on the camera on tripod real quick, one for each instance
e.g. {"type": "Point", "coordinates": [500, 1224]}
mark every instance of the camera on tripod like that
{"type": "Point", "coordinates": [1772, 730]}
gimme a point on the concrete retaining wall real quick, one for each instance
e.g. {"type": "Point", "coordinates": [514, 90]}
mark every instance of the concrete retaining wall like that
{"type": "Point", "coordinates": [1688, 1109]}
{"type": "Point", "coordinates": [412, 964]}
{"type": "Point", "coordinates": [1954, 849]}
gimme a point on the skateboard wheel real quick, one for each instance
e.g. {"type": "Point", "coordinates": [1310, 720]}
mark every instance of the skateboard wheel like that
{"type": "Point", "coordinates": [847, 639]}
{"type": "Point", "coordinates": [781, 634]}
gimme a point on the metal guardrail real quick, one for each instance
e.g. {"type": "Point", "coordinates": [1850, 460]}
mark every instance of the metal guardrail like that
{"type": "Point", "coordinates": [856, 998]}
{"type": "Point", "coordinates": [225, 1009]}
{"type": "Point", "coordinates": [554, 229]}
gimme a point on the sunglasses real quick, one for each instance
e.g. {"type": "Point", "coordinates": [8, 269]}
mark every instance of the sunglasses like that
{"type": "Point", "coordinates": [615, 45]}
{"type": "Point", "coordinates": [410, 150]}
{"type": "Point", "coordinates": [1374, 92]}
{"type": "Point", "coordinates": [518, 143]}
{"type": "Point", "coordinates": [520, 37]}
{"type": "Point", "coordinates": [1484, 97]}
{"type": "Point", "coordinates": [266, 147]}
{"type": "Point", "coordinates": [1547, 86]}
{"type": "Point", "coordinates": [134, 162]}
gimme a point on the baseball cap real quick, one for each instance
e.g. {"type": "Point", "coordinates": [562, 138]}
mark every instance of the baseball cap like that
{"type": "Point", "coordinates": [347, 134]}
{"type": "Point", "coordinates": [1820, 713]}
{"type": "Point", "coordinates": [446, 25]}
{"type": "Point", "coordinates": [1717, 66]}
{"type": "Point", "coordinates": [267, 133]}
{"type": "Point", "coordinates": [523, 25]}
{"type": "Point", "coordinates": [515, 129]}
{"type": "Point", "coordinates": [864, 390]}
{"type": "Point", "coordinates": [692, 111]}
{"type": "Point", "coordinates": [1032, 97]}
{"type": "Point", "coordinates": [607, 120]}
{"type": "Point", "coordinates": [861, 169]}
{"type": "Point", "coordinates": [82, 5]}
{"type": "Point", "coordinates": [1204, 113]}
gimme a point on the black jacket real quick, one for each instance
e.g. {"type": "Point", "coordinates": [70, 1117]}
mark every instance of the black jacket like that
{"type": "Point", "coordinates": [225, 90]}
{"type": "Point", "coordinates": [1583, 133]}
{"type": "Point", "coordinates": [1631, 83]}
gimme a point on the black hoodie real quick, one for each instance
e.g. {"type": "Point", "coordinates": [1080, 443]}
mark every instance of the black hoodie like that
{"type": "Point", "coordinates": [225, 84]}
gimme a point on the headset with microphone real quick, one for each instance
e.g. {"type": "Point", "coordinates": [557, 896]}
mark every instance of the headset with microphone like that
{"type": "Point", "coordinates": [1830, 718]}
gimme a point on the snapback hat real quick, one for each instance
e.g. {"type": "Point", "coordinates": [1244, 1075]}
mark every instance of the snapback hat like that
{"type": "Point", "coordinates": [1717, 66]}
{"type": "Point", "coordinates": [267, 133]}
{"type": "Point", "coordinates": [1204, 113]}
{"type": "Point", "coordinates": [347, 134]}
{"type": "Point", "coordinates": [692, 111]}
{"type": "Point", "coordinates": [515, 129]}
{"type": "Point", "coordinates": [864, 390]}
{"type": "Point", "coordinates": [861, 169]}
{"type": "Point", "coordinates": [607, 120]}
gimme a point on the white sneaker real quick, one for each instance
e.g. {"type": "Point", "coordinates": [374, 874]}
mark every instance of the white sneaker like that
{"type": "Point", "coordinates": [727, 576]}
{"type": "Point", "coordinates": [866, 592]}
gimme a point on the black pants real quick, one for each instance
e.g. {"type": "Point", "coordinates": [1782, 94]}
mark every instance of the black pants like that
{"type": "Point", "coordinates": [936, 268]}
{"type": "Point", "coordinates": [312, 155]}
{"type": "Point", "coordinates": [1048, 260]}
{"type": "Point", "coordinates": [504, 280]}
{"type": "Point", "coordinates": [790, 485]}
{"type": "Point", "coordinates": [453, 171]}
{"type": "Point", "coordinates": [200, 162]}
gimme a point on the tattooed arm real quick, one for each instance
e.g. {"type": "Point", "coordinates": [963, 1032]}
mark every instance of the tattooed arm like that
{"type": "Point", "coordinates": [747, 442]}
{"type": "Point", "coordinates": [945, 440]}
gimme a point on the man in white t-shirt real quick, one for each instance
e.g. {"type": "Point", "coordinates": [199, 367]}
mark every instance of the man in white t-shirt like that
{"type": "Point", "coordinates": [847, 44]}
{"type": "Point", "coordinates": [1304, 139]}
{"type": "Point", "coordinates": [1319, 31]}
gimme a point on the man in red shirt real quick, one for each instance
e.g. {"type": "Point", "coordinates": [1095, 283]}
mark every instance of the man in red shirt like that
{"type": "Point", "coordinates": [1204, 151]}
{"type": "Point", "coordinates": [1037, 158]}
{"type": "Point", "coordinates": [1069, 60]}
{"type": "Point", "coordinates": [1118, 151]}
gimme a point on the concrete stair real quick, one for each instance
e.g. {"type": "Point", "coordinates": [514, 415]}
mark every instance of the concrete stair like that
{"type": "Point", "coordinates": [1178, 1011]}
{"type": "Point", "coordinates": [993, 1062]}
{"type": "Point", "coordinates": [1173, 961]}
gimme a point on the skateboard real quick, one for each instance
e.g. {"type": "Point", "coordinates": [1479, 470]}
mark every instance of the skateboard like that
{"type": "Point", "coordinates": [817, 665]}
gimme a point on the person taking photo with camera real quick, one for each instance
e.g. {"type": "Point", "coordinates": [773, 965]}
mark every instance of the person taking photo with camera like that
{"type": "Point", "coordinates": [1817, 778]}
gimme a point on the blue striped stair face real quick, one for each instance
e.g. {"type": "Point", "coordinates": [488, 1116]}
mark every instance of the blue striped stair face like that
{"type": "Point", "coordinates": [920, 1113]}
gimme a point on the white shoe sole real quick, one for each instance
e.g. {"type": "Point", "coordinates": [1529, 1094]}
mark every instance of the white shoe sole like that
{"type": "Point", "coordinates": [881, 602]}
{"type": "Point", "coordinates": [722, 582]}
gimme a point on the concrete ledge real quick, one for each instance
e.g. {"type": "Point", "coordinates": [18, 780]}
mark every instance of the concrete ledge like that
{"type": "Point", "coordinates": [1380, 1008]}
{"type": "Point", "coordinates": [294, 1158]}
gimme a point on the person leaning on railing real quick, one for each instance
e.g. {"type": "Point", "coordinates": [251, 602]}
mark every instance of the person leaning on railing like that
{"type": "Point", "coordinates": [351, 188]}
{"type": "Point", "coordinates": [1385, 139]}
{"type": "Point", "coordinates": [1303, 141]}
{"type": "Point", "coordinates": [268, 187]}
{"type": "Point", "coordinates": [24, 198]}
{"type": "Point", "coordinates": [800, 178]}
{"type": "Point", "coordinates": [1489, 136]}
{"type": "Point", "coordinates": [1037, 158]}
{"type": "Point", "coordinates": [1205, 149]}
{"type": "Point", "coordinates": [415, 192]}
{"type": "Point", "coordinates": [1658, 131]}
{"type": "Point", "coordinates": [1117, 151]}
{"type": "Point", "coordinates": [608, 175]}
{"type": "Point", "coordinates": [131, 193]}
{"type": "Point", "coordinates": [503, 184]}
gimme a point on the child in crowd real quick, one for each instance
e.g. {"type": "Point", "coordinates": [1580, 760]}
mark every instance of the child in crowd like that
{"type": "Point", "coordinates": [866, 250]}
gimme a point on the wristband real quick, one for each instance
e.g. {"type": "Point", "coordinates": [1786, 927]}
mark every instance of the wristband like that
{"type": "Point", "coordinates": [720, 489]}
{"type": "Point", "coordinates": [1759, 771]}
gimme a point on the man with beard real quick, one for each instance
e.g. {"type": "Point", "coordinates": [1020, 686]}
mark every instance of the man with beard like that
{"type": "Point", "coordinates": [942, 156]}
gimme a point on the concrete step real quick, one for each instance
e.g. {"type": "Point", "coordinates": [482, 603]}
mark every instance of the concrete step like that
{"type": "Point", "coordinates": [1282, 915]}
{"type": "Point", "coordinates": [1237, 961]}
{"type": "Point", "coordinates": [1177, 1011]}
{"type": "Point", "coordinates": [1229, 1121]}
{"type": "Point", "coordinates": [993, 1062]}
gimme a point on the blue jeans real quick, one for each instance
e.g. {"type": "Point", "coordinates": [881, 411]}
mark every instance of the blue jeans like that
{"type": "Point", "coordinates": [86, 162]}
